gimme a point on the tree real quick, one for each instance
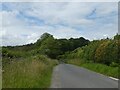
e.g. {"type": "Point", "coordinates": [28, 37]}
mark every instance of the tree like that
{"type": "Point", "coordinates": [42, 38]}
{"type": "Point", "coordinates": [50, 47]}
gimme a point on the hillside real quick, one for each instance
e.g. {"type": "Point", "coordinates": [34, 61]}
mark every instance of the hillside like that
{"type": "Point", "coordinates": [36, 61]}
{"type": "Point", "coordinates": [46, 45]}
{"type": "Point", "coordinates": [31, 65]}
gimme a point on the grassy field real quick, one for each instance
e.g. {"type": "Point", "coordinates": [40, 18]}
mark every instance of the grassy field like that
{"type": "Point", "coordinates": [32, 72]}
{"type": "Point", "coordinates": [100, 68]}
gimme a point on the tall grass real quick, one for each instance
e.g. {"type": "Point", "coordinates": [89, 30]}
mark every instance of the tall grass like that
{"type": "Point", "coordinates": [32, 72]}
{"type": "Point", "coordinates": [103, 69]}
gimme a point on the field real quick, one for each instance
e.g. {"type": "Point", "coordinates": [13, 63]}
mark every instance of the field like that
{"type": "Point", "coordinates": [32, 72]}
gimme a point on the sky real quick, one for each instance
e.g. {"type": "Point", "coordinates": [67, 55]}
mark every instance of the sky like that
{"type": "Point", "coordinates": [24, 22]}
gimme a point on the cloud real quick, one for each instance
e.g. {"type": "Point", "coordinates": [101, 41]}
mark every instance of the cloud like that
{"type": "Point", "coordinates": [60, 1]}
{"type": "Point", "coordinates": [23, 23]}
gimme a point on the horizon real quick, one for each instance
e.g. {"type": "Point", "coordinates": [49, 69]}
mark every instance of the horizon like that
{"type": "Point", "coordinates": [59, 38]}
{"type": "Point", "coordinates": [24, 23]}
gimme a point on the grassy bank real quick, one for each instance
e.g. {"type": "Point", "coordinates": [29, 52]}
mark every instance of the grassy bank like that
{"type": "Point", "coordinates": [32, 72]}
{"type": "Point", "coordinates": [100, 68]}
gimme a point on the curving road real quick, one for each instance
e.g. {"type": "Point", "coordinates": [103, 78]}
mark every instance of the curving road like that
{"type": "Point", "coordinates": [71, 76]}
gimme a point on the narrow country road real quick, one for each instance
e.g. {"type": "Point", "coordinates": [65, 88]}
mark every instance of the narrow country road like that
{"type": "Point", "coordinates": [71, 76]}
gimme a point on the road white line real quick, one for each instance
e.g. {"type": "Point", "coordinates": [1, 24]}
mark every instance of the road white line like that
{"type": "Point", "coordinates": [114, 78]}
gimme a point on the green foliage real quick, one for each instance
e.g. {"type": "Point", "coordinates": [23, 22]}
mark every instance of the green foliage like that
{"type": "Point", "coordinates": [103, 51]}
{"type": "Point", "coordinates": [102, 56]}
{"type": "Point", "coordinates": [50, 47]}
{"type": "Point", "coordinates": [30, 65]}
{"type": "Point", "coordinates": [26, 69]}
{"type": "Point", "coordinates": [26, 66]}
{"type": "Point", "coordinates": [103, 69]}
{"type": "Point", "coordinates": [117, 37]}
{"type": "Point", "coordinates": [42, 38]}
{"type": "Point", "coordinates": [113, 64]}
{"type": "Point", "coordinates": [53, 48]}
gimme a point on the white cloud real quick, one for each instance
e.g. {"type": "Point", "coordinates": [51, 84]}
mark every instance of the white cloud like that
{"type": "Point", "coordinates": [52, 13]}
{"type": "Point", "coordinates": [59, 0]}
{"type": "Point", "coordinates": [9, 18]}
{"type": "Point", "coordinates": [104, 9]}
{"type": "Point", "coordinates": [32, 38]}
{"type": "Point", "coordinates": [63, 20]}
{"type": "Point", "coordinates": [66, 32]}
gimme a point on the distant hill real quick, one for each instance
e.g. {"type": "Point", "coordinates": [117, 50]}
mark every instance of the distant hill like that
{"type": "Point", "coordinates": [50, 46]}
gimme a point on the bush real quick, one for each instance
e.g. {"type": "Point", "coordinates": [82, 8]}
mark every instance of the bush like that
{"type": "Point", "coordinates": [113, 64]}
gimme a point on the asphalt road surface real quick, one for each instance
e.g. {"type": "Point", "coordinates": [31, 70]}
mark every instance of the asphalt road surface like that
{"type": "Point", "coordinates": [71, 76]}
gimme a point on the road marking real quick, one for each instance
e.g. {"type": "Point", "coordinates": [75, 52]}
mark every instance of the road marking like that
{"type": "Point", "coordinates": [114, 78]}
{"type": "Point", "coordinates": [104, 75]}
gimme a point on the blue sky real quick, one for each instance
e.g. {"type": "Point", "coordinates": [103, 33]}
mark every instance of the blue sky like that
{"type": "Point", "coordinates": [24, 23]}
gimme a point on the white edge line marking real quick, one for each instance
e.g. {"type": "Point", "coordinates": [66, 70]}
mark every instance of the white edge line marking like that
{"type": "Point", "coordinates": [101, 74]}
{"type": "Point", "coordinates": [114, 78]}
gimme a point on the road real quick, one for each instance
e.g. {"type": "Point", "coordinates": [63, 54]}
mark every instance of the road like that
{"type": "Point", "coordinates": [71, 76]}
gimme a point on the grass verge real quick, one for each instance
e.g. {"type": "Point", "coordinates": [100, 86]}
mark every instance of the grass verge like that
{"type": "Point", "coordinates": [32, 72]}
{"type": "Point", "coordinates": [100, 68]}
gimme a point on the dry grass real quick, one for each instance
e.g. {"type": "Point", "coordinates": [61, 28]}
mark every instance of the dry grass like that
{"type": "Point", "coordinates": [27, 74]}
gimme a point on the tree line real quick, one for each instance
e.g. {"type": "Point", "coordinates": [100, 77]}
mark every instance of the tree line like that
{"type": "Point", "coordinates": [105, 51]}
{"type": "Point", "coordinates": [46, 45]}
